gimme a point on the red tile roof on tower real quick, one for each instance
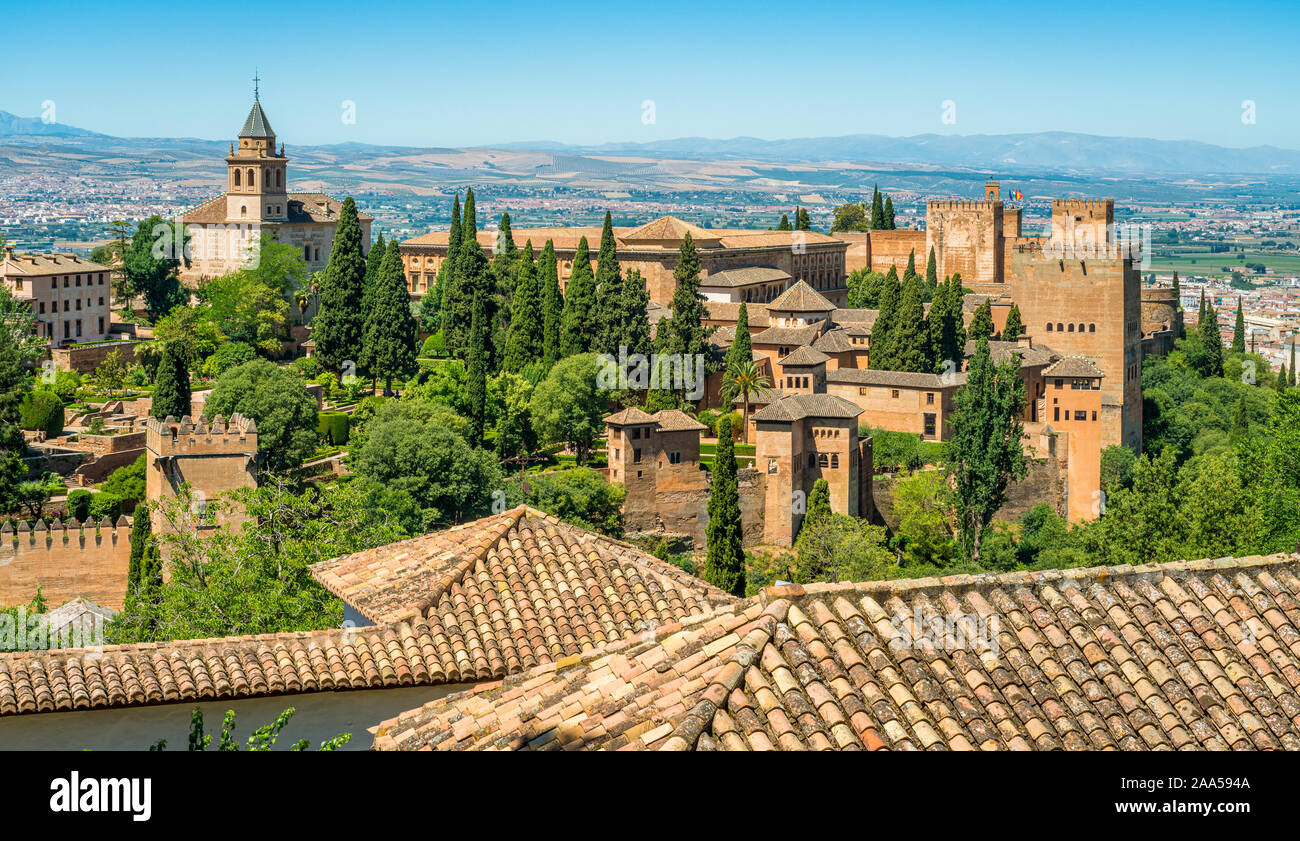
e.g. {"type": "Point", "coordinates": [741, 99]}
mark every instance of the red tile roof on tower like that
{"type": "Point", "coordinates": [1184, 655]}
{"type": "Point", "coordinates": [801, 297]}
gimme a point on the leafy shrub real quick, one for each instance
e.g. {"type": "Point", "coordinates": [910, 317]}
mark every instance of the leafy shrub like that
{"type": "Point", "coordinates": [65, 385]}
{"type": "Point", "coordinates": [434, 346]}
{"type": "Point", "coordinates": [126, 483]}
{"type": "Point", "coordinates": [105, 504]}
{"type": "Point", "coordinates": [42, 410]}
{"type": "Point", "coordinates": [227, 356]}
{"type": "Point", "coordinates": [332, 427]}
{"type": "Point", "coordinates": [79, 503]}
{"type": "Point", "coordinates": [308, 366]}
{"type": "Point", "coordinates": [737, 424]}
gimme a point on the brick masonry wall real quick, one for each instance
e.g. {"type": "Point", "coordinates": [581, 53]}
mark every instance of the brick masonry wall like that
{"type": "Point", "coordinates": [65, 562]}
{"type": "Point", "coordinates": [83, 360]}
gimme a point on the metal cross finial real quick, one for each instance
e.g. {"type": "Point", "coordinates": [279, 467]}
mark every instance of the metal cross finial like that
{"type": "Point", "coordinates": [256, 80]}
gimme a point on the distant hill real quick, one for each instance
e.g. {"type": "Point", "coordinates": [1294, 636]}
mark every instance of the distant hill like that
{"type": "Point", "coordinates": [1048, 151]}
{"type": "Point", "coordinates": [11, 125]}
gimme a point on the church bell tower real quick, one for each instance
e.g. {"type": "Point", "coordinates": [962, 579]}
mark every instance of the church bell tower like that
{"type": "Point", "coordinates": [257, 173]}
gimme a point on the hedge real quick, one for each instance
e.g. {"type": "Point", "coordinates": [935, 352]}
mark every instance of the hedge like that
{"type": "Point", "coordinates": [332, 427]}
{"type": "Point", "coordinates": [79, 504]}
{"type": "Point", "coordinates": [42, 409]}
{"type": "Point", "coordinates": [106, 504]}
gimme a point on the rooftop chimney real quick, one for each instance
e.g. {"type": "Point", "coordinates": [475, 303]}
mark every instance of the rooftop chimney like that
{"type": "Point", "coordinates": [9, 251]}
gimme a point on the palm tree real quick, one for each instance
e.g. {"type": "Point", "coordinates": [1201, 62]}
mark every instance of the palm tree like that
{"type": "Point", "coordinates": [745, 381]}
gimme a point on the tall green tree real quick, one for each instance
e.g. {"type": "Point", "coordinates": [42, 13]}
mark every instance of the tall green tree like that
{"type": "Point", "coordinates": [476, 371]}
{"type": "Point", "coordinates": [609, 310]}
{"type": "Point", "coordinates": [171, 393]}
{"type": "Point", "coordinates": [877, 210]}
{"type": "Point", "coordinates": [524, 342]}
{"type": "Point", "coordinates": [931, 276]}
{"type": "Point", "coordinates": [18, 349]}
{"type": "Point", "coordinates": [447, 271]}
{"type": "Point", "coordinates": [683, 333]}
{"type": "Point", "coordinates": [1239, 331]}
{"type": "Point", "coordinates": [375, 259]}
{"type": "Point", "coordinates": [985, 451]}
{"type": "Point", "coordinates": [890, 223]}
{"type": "Point", "coordinates": [784, 224]}
{"type": "Point", "coordinates": [339, 327]}
{"type": "Point", "coordinates": [578, 322]}
{"type": "Point", "coordinates": [636, 318]}
{"type": "Point", "coordinates": [548, 278]}
{"type": "Point", "coordinates": [389, 350]}
{"type": "Point", "coordinates": [744, 382]}
{"type": "Point", "coordinates": [742, 345]}
{"type": "Point", "coordinates": [472, 277]}
{"type": "Point", "coordinates": [724, 564]}
{"type": "Point", "coordinates": [1014, 327]}
{"type": "Point", "coordinates": [1208, 330]}
{"type": "Point", "coordinates": [910, 337]}
{"type": "Point", "coordinates": [153, 262]}
{"type": "Point", "coordinates": [801, 220]}
{"type": "Point", "coordinates": [981, 323]}
{"type": "Point", "coordinates": [881, 351]}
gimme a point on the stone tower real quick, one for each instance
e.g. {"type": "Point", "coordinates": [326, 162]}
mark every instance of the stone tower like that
{"type": "Point", "coordinates": [211, 459]}
{"type": "Point", "coordinates": [257, 176]}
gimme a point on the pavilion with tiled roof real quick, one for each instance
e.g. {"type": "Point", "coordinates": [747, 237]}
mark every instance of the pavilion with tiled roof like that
{"type": "Point", "coordinates": [1182, 655]}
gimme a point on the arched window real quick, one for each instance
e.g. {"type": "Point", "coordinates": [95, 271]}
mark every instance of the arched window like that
{"type": "Point", "coordinates": [1049, 326]}
{"type": "Point", "coordinates": [1080, 328]}
{"type": "Point", "coordinates": [835, 459]}
{"type": "Point", "coordinates": [237, 179]}
{"type": "Point", "coordinates": [1092, 328]}
{"type": "Point", "coordinates": [243, 210]}
{"type": "Point", "coordinates": [1060, 328]}
{"type": "Point", "coordinates": [279, 178]}
{"type": "Point", "coordinates": [1071, 327]}
{"type": "Point", "coordinates": [252, 178]}
{"type": "Point", "coordinates": [821, 460]}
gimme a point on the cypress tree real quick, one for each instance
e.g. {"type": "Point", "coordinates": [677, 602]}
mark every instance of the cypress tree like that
{"type": "Point", "coordinates": [981, 324]}
{"type": "Point", "coordinates": [724, 565]}
{"type": "Point", "coordinates": [889, 214]}
{"type": "Point", "coordinates": [910, 338]}
{"type": "Point", "coordinates": [141, 537]}
{"type": "Point", "coordinates": [880, 354]}
{"type": "Point", "coordinates": [1282, 381]}
{"type": "Point", "coordinates": [471, 279]}
{"type": "Point", "coordinates": [609, 310]}
{"type": "Point", "coordinates": [374, 261]}
{"type": "Point", "coordinates": [391, 331]}
{"type": "Point", "coordinates": [742, 346]}
{"type": "Point", "coordinates": [171, 393]}
{"type": "Point", "coordinates": [939, 324]}
{"type": "Point", "coordinates": [877, 210]}
{"type": "Point", "coordinates": [801, 220]}
{"type": "Point", "coordinates": [910, 271]}
{"type": "Point", "coordinates": [476, 370]}
{"type": "Point", "coordinates": [1294, 373]}
{"type": "Point", "coordinates": [819, 504]}
{"type": "Point", "coordinates": [447, 271]}
{"type": "Point", "coordinates": [931, 276]}
{"type": "Point", "coordinates": [636, 320]}
{"type": "Point", "coordinates": [339, 325]}
{"type": "Point", "coordinates": [524, 341]}
{"type": "Point", "coordinates": [578, 320]}
{"type": "Point", "coordinates": [548, 278]}
{"type": "Point", "coordinates": [784, 224]}
{"type": "Point", "coordinates": [506, 238]}
{"type": "Point", "coordinates": [1239, 331]}
{"type": "Point", "coordinates": [1014, 328]}
{"type": "Point", "coordinates": [683, 332]}
{"type": "Point", "coordinates": [1209, 333]}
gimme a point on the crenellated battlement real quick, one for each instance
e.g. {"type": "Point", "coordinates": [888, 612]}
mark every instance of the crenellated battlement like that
{"type": "Point", "coordinates": [1083, 204]}
{"type": "Point", "coordinates": [940, 205]}
{"type": "Point", "coordinates": [189, 437]}
{"type": "Point", "coordinates": [65, 560]}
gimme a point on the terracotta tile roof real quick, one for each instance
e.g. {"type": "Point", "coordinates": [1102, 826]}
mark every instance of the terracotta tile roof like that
{"type": "Point", "coordinates": [672, 229]}
{"type": "Point", "coordinates": [835, 341]}
{"type": "Point", "coordinates": [1184, 655]}
{"type": "Point", "coordinates": [675, 420]}
{"type": "Point", "coordinates": [804, 356]}
{"type": "Point", "coordinates": [303, 207]}
{"type": "Point", "coordinates": [48, 264]}
{"type": "Point", "coordinates": [1030, 357]}
{"type": "Point", "coordinates": [794, 407]}
{"type": "Point", "coordinates": [730, 311]}
{"type": "Point", "coordinates": [230, 667]}
{"type": "Point", "coordinates": [903, 379]}
{"type": "Point", "coordinates": [1072, 366]}
{"type": "Point", "coordinates": [801, 298]}
{"type": "Point", "coordinates": [478, 602]}
{"type": "Point", "coordinates": [855, 316]}
{"type": "Point", "coordinates": [630, 415]}
{"type": "Point", "coordinates": [746, 276]}
{"type": "Point", "coordinates": [789, 335]}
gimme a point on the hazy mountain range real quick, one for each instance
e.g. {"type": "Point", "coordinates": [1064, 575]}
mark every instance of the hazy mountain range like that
{"type": "Point", "coordinates": [810, 170]}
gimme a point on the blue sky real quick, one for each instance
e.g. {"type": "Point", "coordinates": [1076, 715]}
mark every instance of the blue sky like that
{"type": "Point", "coordinates": [461, 74]}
